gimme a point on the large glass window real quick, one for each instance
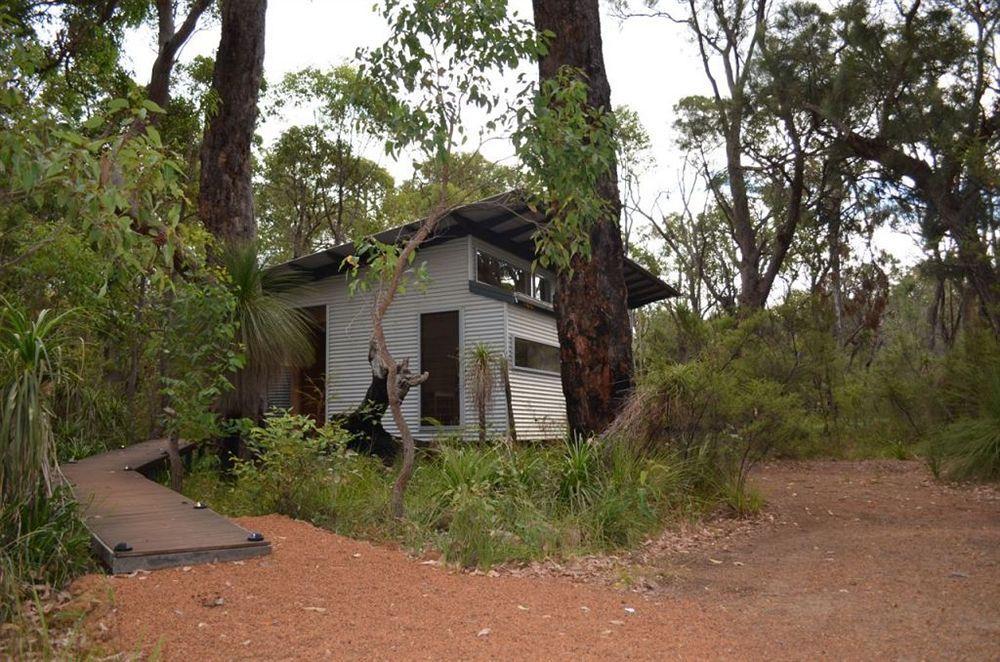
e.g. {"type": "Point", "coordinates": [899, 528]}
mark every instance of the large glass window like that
{"type": "Point", "coordinates": [535, 355]}
{"type": "Point", "coordinates": [498, 272]}
{"type": "Point", "coordinates": [439, 395]}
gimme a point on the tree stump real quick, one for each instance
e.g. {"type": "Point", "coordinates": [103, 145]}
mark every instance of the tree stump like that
{"type": "Point", "coordinates": [364, 424]}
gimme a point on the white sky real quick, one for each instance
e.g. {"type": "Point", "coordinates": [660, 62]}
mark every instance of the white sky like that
{"type": "Point", "coordinates": [651, 65]}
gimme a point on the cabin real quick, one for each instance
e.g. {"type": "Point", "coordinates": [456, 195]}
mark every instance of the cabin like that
{"type": "Point", "coordinates": [483, 288]}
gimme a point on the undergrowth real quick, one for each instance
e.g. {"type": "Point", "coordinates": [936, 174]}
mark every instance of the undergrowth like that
{"type": "Point", "coordinates": [478, 505]}
{"type": "Point", "coordinates": [43, 545]}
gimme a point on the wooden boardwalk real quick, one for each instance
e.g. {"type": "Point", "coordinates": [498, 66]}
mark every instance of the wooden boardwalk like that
{"type": "Point", "coordinates": [124, 509]}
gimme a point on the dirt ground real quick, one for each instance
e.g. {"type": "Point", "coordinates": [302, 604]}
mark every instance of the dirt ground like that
{"type": "Point", "coordinates": [852, 560]}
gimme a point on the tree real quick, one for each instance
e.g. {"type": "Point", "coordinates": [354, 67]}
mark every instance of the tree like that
{"type": "Point", "coordinates": [315, 191]}
{"type": "Point", "coordinates": [225, 198]}
{"type": "Point", "coordinates": [170, 39]}
{"type": "Point", "coordinates": [436, 64]}
{"type": "Point", "coordinates": [915, 93]}
{"type": "Point", "coordinates": [473, 176]}
{"type": "Point", "coordinates": [761, 187]}
{"type": "Point", "coordinates": [595, 336]}
{"type": "Point", "coordinates": [271, 330]}
{"type": "Point", "coordinates": [482, 363]}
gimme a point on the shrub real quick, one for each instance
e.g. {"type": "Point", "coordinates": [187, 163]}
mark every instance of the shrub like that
{"type": "Point", "coordinates": [478, 505]}
{"type": "Point", "coordinates": [28, 351]}
{"type": "Point", "coordinates": [724, 410]}
{"type": "Point", "coordinates": [42, 542]}
{"type": "Point", "coordinates": [301, 470]}
{"type": "Point", "coordinates": [290, 468]}
{"type": "Point", "coordinates": [967, 446]}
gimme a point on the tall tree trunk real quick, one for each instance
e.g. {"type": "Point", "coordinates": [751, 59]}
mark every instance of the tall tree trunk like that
{"type": "Point", "coordinates": [225, 199]}
{"type": "Point", "coordinates": [595, 338]}
{"type": "Point", "coordinates": [170, 39]}
{"type": "Point", "coordinates": [830, 215]}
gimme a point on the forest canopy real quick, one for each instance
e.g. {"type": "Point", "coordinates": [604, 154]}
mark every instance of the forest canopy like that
{"type": "Point", "coordinates": [141, 211]}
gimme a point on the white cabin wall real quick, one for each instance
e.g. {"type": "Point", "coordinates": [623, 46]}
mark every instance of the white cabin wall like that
{"type": "Point", "coordinates": [349, 329]}
{"type": "Point", "coordinates": [537, 397]}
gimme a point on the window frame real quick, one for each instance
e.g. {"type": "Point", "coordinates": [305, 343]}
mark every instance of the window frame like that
{"type": "Point", "coordinates": [530, 274]}
{"type": "Point", "coordinates": [538, 371]}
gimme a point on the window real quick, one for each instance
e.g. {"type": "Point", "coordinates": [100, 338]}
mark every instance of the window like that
{"type": "Point", "coordinates": [498, 272]}
{"type": "Point", "coordinates": [542, 289]}
{"type": "Point", "coordinates": [439, 395]}
{"type": "Point", "coordinates": [535, 355]}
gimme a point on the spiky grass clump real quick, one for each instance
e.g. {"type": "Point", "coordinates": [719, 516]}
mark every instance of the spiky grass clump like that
{"type": "Point", "coordinates": [272, 330]}
{"type": "Point", "coordinates": [968, 447]}
{"type": "Point", "coordinates": [29, 355]}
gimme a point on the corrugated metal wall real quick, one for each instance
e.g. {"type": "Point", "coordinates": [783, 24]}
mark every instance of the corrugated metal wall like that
{"type": "Point", "coordinates": [279, 391]}
{"type": "Point", "coordinates": [349, 330]}
{"type": "Point", "coordinates": [539, 407]}
{"type": "Point", "coordinates": [537, 397]}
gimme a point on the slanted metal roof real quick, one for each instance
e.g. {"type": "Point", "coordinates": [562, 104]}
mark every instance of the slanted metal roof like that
{"type": "Point", "coordinates": [504, 221]}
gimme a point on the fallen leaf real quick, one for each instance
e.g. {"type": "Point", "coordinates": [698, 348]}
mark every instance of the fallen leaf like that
{"type": "Point", "coordinates": [484, 632]}
{"type": "Point", "coordinates": [321, 610]}
{"type": "Point", "coordinates": [715, 561]}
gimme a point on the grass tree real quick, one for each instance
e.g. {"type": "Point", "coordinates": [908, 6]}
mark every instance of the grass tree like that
{"type": "Point", "coordinates": [482, 365]}
{"type": "Point", "coordinates": [438, 63]}
{"type": "Point", "coordinates": [272, 331]}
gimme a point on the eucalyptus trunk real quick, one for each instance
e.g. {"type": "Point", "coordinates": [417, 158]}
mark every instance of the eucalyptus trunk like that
{"type": "Point", "coordinates": [225, 201]}
{"type": "Point", "coordinates": [595, 338]}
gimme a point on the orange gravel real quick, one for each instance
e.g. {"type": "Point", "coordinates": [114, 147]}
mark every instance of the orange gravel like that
{"type": "Point", "coordinates": [857, 560]}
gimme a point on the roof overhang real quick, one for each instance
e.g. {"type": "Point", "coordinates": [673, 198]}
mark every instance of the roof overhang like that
{"type": "Point", "coordinates": [504, 221]}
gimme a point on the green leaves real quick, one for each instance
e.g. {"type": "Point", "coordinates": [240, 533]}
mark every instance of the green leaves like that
{"type": "Point", "coordinates": [567, 148]}
{"type": "Point", "coordinates": [29, 359]}
{"type": "Point", "coordinates": [438, 63]}
{"type": "Point", "coordinates": [96, 180]}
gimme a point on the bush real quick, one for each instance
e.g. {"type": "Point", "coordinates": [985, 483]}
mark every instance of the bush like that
{"type": "Point", "coordinates": [478, 505]}
{"type": "Point", "coordinates": [42, 542]}
{"type": "Point", "coordinates": [298, 469]}
{"type": "Point", "coordinates": [738, 399]}
{"type": "Point", "coordinates": [967, 446]}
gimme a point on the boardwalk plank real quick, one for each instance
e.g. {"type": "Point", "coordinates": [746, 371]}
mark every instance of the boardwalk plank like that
{"type": "Point", "coordinates": [162, 527]}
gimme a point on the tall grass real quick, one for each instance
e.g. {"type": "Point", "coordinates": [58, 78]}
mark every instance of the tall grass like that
{"type": "Point", "coordinates": [477, 505]}
{"type": "Point", "coordinates": [967, 446]}
{"type": "Point", "coordinates": [43, 543]}
{"type": "Point", "coordinates": [42, 540]}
